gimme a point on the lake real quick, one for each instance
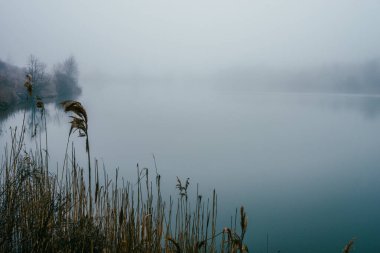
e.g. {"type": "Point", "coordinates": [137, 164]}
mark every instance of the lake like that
{"type": "Point", "coordinates": [304, 165]}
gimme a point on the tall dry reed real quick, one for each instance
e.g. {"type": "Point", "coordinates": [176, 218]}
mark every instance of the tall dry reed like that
{"type": "Point", "coordinates": [42, 211]}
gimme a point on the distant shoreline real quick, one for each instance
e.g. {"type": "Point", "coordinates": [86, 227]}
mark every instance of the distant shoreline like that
{"type": "Point", "coordinates": [62, 83]}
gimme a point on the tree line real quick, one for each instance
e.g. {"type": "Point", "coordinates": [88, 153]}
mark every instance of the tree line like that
{"type": "Point", "coordinates": [59, 83]}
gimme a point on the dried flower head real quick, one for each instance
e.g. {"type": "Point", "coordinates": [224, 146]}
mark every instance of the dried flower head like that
{"type": "Point", "coordinates": [79, 120]}
{"type": "Point", "coordinates": [39, 103]}
{"type": "Point", "coordinates": [28, 84]}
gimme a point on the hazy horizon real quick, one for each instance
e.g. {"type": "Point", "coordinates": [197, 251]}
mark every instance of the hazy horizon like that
{"type": "Point", "coordinates": [188, 81]}
{"type": "Point", "coordinates": [179, 39]}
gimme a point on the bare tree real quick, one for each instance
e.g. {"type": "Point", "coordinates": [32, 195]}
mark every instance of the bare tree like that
{"type": "Point", "coordinates": [37, 69]}
{"type": "Point", "coordinates": [70, 67]}
{"type": "Point", "coordinates": [66, 78]}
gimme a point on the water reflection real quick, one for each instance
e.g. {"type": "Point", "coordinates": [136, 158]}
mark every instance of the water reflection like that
{"type": "Point", "coordinates": [290, 158]}
{"type": "Point", "coordinates": [368, 106]}
{"type": "Point", "coordinates": [34, 117]}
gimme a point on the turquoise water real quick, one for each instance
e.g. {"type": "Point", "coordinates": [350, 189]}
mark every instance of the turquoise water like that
{"type": "Point", "coordinates": [305, 166]}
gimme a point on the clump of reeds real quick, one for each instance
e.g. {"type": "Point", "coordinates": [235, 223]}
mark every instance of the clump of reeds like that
{"type": "Point", "coordinates": [44, 212]}
{"type": "Point", "coordinates": [231, 240]}
{"type": "Point", "coordinates": [49, 213]}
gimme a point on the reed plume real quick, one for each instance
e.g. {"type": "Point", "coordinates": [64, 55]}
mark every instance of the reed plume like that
{"type": "Point", "coordinates": [39, 103]}
{"type": "Point", "coordinates": [42, 212]}
{"type": "Point", "coordinates": [28, 84]}
{"type": "Point", "coordinates": [79, 122]}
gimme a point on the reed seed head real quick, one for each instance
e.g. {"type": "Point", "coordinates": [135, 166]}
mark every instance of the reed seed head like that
{"type": "Point", "coordinates": [79, 120]}
{"type": "Point", "coordinates": [39, 103]}
{"type": "Point", "coordinates": [28, 84]}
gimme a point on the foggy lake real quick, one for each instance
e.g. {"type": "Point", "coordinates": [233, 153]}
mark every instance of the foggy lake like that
{"type": "Point", "coordinates": [304, 165]}
{"type": "Point", "coordinates": [274, 104]}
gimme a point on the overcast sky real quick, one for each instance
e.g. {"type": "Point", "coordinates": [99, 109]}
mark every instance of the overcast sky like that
{"type": "Point", "coordinates": [164, 36]}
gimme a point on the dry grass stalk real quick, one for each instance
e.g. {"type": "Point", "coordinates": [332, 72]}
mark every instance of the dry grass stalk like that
{"type": "Point", "coordinates": [79, 123]}
{"type": "Point", "coordinates": [347, 248]}
{"type": "Point", "coordinates": [42, 212]}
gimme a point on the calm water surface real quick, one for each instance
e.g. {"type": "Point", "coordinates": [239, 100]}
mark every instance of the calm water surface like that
{"type": "Point", "coordinates": [305, 166]}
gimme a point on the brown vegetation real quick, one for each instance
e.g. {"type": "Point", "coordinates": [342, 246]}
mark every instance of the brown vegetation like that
{"type": "Point", "coordinates": [44, 212]}
{"type": "Point", "coordinates": [62, 83]}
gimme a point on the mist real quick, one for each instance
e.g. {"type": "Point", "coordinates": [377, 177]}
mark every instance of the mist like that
{"type": "Point", "coordinates": [275, 104]}
{"type": "Point", "coordinates": [129, 40]}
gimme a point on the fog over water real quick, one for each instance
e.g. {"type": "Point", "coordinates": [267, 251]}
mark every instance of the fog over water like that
{"type": "Point", "coordinates": [276, 104]}
{"type": "Point", "coordinates": [189, 38]}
